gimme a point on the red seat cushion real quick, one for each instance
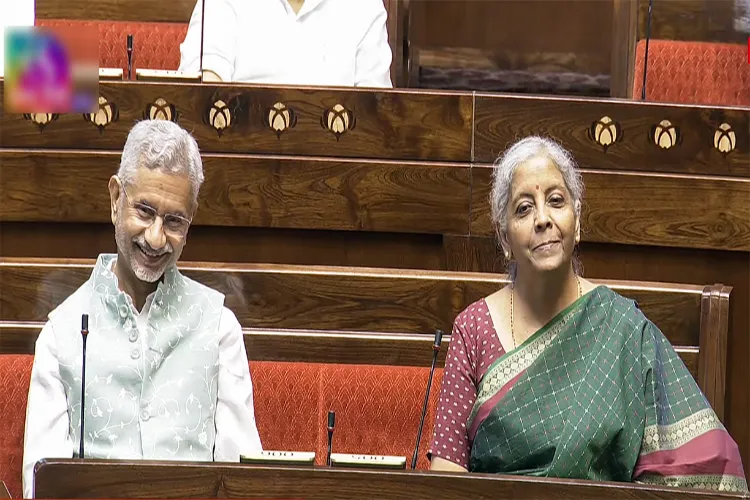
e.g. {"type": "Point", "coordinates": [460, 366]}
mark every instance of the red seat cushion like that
{"type": "Point", "coordinates": [694, 73]}
{"type": "Point", "coordinates": [15, 376]}
{"type": "Point", "coordinates": [377, 409]}
{"type": "Point", "coordinates": [285, 397]}
{"type": "Point", "coordinates": [155, 45]}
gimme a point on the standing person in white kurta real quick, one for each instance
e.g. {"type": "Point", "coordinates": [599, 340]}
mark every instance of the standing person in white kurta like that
{"type": "Point", "coordinates": [166, 370]}
{"type": "Point", "coordinates": [291, 42]}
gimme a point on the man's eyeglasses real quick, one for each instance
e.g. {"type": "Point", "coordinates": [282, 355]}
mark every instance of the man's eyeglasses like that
{"type": "Point", "coordinates": [173, 223]}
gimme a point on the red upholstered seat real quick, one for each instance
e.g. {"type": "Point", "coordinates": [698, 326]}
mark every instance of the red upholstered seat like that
{"type": "Point", "coordinates": [377, 409]}
{"type": "Point", "coordinates": [155, 45]}
{"type": "Point", "coordinates": [694, 73]}
{"type": "Point", "coordinates": [15, 375]}
{"type": "Point", "coordinates": [285, 396]}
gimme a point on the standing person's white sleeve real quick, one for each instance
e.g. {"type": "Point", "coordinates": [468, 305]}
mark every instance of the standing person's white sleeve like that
{"type": "Point", "coordinates": [13, 13]}
{"type": "Point", "coordinates": [219, 39]}
{"type": "Point", "coordinates": [236, 430]}
{"type": "Point", "coordinates": [47, 421]}
{"type": "Point", "coordinates": [373, 63]}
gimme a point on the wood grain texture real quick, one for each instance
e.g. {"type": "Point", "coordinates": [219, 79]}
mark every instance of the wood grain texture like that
{"type": "Point", "coordinates": [501, 120]}
{"type": "Point", "coordinates": [518, 31]}
{"type": "Point", "coordinates": [648, 209]}
{"type": "Point", "coordinates": [386, 123]}
{"type": "Point", "coordinates": [304, 346]}
{"type": "Point", "coordinates": [311, 346]}
{"type": "Point", "coordinates": [235, 244]}
{"type": "Point", "coordinates": [692, 20]}
{"type": "Point", "coordinates": [713, 359]}
{"type": "Point", "coordinates": [253, 191]}
{"type": "Point", "coordinates": [334, 298]}
{"type": "Point", "coordinates": [624, 33]}
{"type": "Point", "coordinates": [173, 11]}
{"type": "Point", "coordinates": [58, 478]}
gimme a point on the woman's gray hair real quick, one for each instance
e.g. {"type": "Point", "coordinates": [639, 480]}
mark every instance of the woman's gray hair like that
{"type": "Point", "coordinates": [163, 146]}
{"type": "Point", "coordinates": [502, 180]}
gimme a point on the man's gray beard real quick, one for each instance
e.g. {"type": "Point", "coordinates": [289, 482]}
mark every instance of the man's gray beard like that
{"type": "Point", "coordinates": [126, 248]}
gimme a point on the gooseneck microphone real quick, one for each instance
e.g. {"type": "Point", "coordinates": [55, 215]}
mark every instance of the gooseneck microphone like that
{"type": "Point", "coordinates": [331, 425]}
{"type": "Point", "coordinates": [203, 24]}
{"type": "Point", "coordinates": [645, 55]}
{"type": "Point", "coordinates": [84, 336]}
{"type": "Point", "coordinates": [130, 56]}
{"type": "Point", "coordinates": [435, 351]}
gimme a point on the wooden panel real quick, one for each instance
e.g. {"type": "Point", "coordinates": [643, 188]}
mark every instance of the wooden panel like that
{"type": "Point", "coordinates": [713, 359]}
{"type": "Point", "coordinates": [236, 244]}
{"type": "Point", "coordinates": [501, 120]}
{"type": "Point", "coordinates": [695, 20]}
{"type": "Point", "coordinates": [174, 11]}
{"type": "Point", "coordinates": [546, 30]}
{"type": "Point", "coordinates": [253, 191]}
{"type": "Point", "coordinates": [383, 124]}
{"type": "Point", "coordinates": [311, 346]}
{"type": "Point", "coordinates": [305, 346]}
{"type": "Point", "coordinates": [334, 298]}
{"type": "Point", "coordinates": [649, 209]}
{"type": "Point", "coordinates": [66, 478]}
{"type": "Point", "coordinates": [624, 28]}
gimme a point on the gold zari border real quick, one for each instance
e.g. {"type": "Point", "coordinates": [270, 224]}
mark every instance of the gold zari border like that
{"type": "Point", "coordinates": [703, 482]}
{"type": "Point", "coordinates": [670, 437]}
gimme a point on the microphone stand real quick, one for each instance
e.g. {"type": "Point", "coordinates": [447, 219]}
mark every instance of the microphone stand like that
{"type": "Point", "coordinates": [435, 351]}
{"type": "Point", "coordinates": [203, 24]}
{"type": "Point", "coordinates": [331, 424]}
{"type": "Point", "coordinates": [130, 56]}
{"type": "Point", "coordinates": [84, 336]}
{"type": "Point", "coordinates": [645, 55]}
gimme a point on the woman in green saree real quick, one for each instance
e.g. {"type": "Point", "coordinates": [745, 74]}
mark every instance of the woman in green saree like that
{"type": "Point", "coordinates": [554, 376]}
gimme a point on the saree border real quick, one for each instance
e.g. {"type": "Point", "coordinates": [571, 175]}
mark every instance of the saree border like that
{"type": "Point", "coordinates": [513, 363]}
{"type": "Point", "coordinates": [712, 482]}
{"type": "Point", "coordinates": [669, 437]}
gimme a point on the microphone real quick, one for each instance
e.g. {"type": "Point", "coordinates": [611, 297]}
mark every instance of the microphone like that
{"type": "Point", "coordinates": [130, 56]}
{"type": "Point", "coordinates": [331, 424]}
{"type": "Point", "coordinates": [645, 55]}
{"type": "Point", "coordinates": [203, 23]}
{"type": "Point", "coordinates": [84, 336]}
{"type": "Point", "coordinates": [435, 351]}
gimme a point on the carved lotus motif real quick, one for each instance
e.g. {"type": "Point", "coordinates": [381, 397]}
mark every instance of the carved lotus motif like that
{"type": "Point", "coordinates": [338, 120]}
{"type": "Point", "coordinates": [665, 135]}
{"type": "Point", "coordinates": [725, 139]}
{"type": "Point", "coordinates": [41, 120]}
{"type": "Point", "coordinates": [605, 132]}
{"type": "Point", "coordinates": [280, 118]}
{"type": "Point", "coordinates": [161, 110]}
{"type": "Point", "coordinates": [219, 116]}
{"type": "Point", "coordinates": [107, 114]}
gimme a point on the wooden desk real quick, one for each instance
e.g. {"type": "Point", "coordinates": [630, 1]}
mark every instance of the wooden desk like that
{"type": "Point", "coordinates": [146, 479]}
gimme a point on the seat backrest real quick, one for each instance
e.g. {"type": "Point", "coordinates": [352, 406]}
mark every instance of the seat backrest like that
{"type": "Point", "coordinates": [693, 73]}
{"type": "Point", "coordinates": [378, 409]}
{"type": "Point", "coordinates": [15, 375]}
{"type": "Point", "coordinates": [155, 45]}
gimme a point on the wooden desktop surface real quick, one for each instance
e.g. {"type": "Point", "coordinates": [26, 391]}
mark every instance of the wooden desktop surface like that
{"type": "Point", "coordinates": [72, 478]}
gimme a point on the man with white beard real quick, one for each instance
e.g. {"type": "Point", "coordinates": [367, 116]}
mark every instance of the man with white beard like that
{"type": "Point", "coordinates": [167, 376]}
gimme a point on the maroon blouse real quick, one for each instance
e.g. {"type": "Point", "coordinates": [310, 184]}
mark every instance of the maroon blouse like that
{"type": "Point", "coordinates": [474, 346]}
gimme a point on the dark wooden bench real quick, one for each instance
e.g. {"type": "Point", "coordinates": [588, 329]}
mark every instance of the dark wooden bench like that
{"type": "Point", "coordinates": [364, 315]}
